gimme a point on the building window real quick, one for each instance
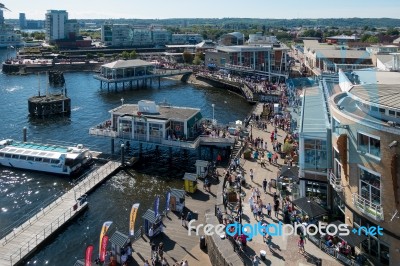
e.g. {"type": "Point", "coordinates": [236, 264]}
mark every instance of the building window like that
{"type": "Point", "coordinates": [381, 110]}
{"type": "Point", "coordinates": [392, 113]}
{"type": "Point", "coordinates": [369, 144]}
{"type": "Point", "coordinates": [374, 109]}
{"type": "Point", "coordinates": [370, 186]}
{"type": "Point", "coordinates": [315, 154]}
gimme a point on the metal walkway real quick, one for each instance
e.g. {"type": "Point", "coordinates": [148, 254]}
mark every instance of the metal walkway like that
{"type": "Point", "coordinates": [23, 240]}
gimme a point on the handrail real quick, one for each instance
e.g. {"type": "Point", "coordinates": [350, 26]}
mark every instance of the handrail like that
{"type": "Point", "coordinates": [4, 232]}
{"type": "Point", "coordinates": [84, 186]}
{"type": "Point", "coordinates": [367, 207]}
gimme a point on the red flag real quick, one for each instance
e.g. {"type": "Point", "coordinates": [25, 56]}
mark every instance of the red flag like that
{"type": "Point", "coordinates": [103, 249]}
{"type": "Point", "coordinates": [88, 255]}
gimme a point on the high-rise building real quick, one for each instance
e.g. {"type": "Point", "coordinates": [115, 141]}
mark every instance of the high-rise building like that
{"type": "Point", "coordinates": [1, 17]}
{"type": "Point", "coordinates": [55, 24]}
{"type": "Point", "coordinates": [22, 21]}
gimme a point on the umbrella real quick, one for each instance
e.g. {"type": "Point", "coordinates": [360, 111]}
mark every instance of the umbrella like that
{"type": "Point", "coordinates": [310, 207]}
{"type": "Point", "coordinates": [290, 171]}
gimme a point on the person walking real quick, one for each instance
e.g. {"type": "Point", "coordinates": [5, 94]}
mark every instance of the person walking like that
{"type": "Point", "coordinates": [269, 207]}
{"type": "Point", "coordinates": [251, 175]}
{"type": "Point", "coordinates": [264, 184]}
{"type": "Point", "coordinates": [276, 210]}
{"type": "Point", "coordinates": [301, 246]}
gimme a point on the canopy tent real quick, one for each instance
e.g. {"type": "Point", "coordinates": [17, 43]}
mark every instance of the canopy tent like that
{"type": "Point", "coordinates": [310, 207]}
{"type": "Point", "coordinates": [353, 239]}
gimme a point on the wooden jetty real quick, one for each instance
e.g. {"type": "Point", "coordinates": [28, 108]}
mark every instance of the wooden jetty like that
{"type": "Point", "coordinates": [25, 239]}
{"type": "Point", "coordinates": [177, 242]}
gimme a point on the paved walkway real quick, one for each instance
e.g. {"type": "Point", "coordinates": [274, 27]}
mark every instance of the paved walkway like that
{"type": "Point", "coordinates": [284, 250]}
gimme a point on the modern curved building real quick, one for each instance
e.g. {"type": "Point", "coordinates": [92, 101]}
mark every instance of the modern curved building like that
{"type": "Point", "coordinates": [365, 122]}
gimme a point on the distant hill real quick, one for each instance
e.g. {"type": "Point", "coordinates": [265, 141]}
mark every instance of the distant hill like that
{"type": "Point", "coordinates": [238, 23]}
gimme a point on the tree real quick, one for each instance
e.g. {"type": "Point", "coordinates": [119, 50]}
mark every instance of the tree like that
{"type": "Point", "coordinates": [197, 60]}
{"type": "Point", "coordinates": [372, 39]}
{"type": "Point", "coordinates": [38, 35]}
{"type": "Point", "coordinates": [125, 55]}
{"type": "Point", "coordinates": [133, 54]}
{"type": "Point", "coordinates": [89, 56]}
{"type": "Point", "coordinates": [187, 57]}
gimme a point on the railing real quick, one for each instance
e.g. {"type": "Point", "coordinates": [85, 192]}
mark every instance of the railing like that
{"type": "Point", "coordinates": [103, 132]}
{"type": "Point", "coordinates": [84, 186]}
{"type": "Point", "coordinates": [183, 144]}
{"type": "Point", "coordinates": [38, 238]}
{"type": "Point", "coordinates": [332, 251]}
{"type": "Point", "coordinates": [367, 207]}
{"type": "Point", "coordinates": [335, 182]}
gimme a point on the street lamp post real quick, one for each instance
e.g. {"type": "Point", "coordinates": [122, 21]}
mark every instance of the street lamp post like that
{"type": "Point", "coordinates": [213, 105]}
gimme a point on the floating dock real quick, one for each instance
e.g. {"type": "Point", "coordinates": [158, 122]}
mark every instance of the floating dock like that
{"type": "Point", "coordinates": [25, 239]}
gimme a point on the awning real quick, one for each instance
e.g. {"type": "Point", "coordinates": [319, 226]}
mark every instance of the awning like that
{"type": "Point", "coordinates": [353, 239]}
{"type": "Point", "coordinates": [310, 207]}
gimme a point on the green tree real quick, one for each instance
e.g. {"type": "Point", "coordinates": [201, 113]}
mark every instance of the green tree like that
{"type": "Point", "coordinates": [197, 60]}
{"type": "Point", "coordinates": [187, 57]}
{"type": "Point", "coordinates": [133, 54]}
{"type": "Point", "coordinates": [372, 39]}
{"type": "Point", "coordinates": [89, 56]}
{"type": "Point", "coordinates": [125, 55]}
{"type": "Point", "coordinates": [38, 35]}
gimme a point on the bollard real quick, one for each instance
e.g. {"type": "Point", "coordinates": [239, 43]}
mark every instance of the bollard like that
{"type": "Point", "coordinates": [24, 130]}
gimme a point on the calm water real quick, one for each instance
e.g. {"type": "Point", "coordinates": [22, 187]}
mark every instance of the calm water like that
{"type": "Point", "coordinates": [22, 192]}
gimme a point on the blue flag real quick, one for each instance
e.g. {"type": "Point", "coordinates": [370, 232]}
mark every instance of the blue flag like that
{"type": "Point", "coordinates": [156, 204]}
{"type": "Point", "coordinates": [168, 199]}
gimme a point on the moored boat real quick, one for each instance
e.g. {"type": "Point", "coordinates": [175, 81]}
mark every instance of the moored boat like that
{"type": "Point", "coordinates": [45, 158]}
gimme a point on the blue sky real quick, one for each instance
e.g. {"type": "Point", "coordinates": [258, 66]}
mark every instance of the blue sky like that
{"type": "Point", "coordinates": [35, 9]}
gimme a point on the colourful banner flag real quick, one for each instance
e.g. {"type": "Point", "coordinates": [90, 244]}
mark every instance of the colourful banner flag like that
{"type": "Point", "coordinates": [88, 255]}
{"type": "Point", "coordinates": [103, 248]}
{"type": "Point", "coordinates": [132, 219]}
{"type": "Point", "coordinates": [104, 230]}
{"type": "Point", "coordinates": [156, 205]}
{"type": "Point", "coordinates": [168, 199]}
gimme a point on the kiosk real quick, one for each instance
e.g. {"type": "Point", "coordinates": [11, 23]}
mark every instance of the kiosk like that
{"type": "Point", "coordinates": [150, 221]}
{"type": "Point", "coordinates": [177, 200]}
{"type": "Point", "coordinates": [119, 242]}
{"type": "Point", "coordinates": [190, 182]}
{"type": "Point", "coordinates": [202, 168]}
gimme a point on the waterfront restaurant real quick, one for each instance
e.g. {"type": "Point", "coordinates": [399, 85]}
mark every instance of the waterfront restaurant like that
{"type": "Point", "coordinates": [148, 122]}
{"type": "Point", "coordinates": [121, 69]}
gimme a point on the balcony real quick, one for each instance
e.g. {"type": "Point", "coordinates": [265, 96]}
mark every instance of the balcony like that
{"type": "Point", "coordinates": [335, 182]}
{"type": "Point", "coordinates": [367, 207]}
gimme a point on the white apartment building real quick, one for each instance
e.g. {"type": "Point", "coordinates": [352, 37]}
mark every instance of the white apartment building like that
{"type": "Point", "coordinates": [55, 24]}
{"type": "Point", "coordinates": [128, 35]}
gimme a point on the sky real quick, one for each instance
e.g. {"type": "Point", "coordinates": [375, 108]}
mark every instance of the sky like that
{"type": "Point", "coordinates": [160, 9]}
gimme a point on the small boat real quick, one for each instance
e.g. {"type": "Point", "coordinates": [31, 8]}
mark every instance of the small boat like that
{"type": "Point", "coordinates": [45, 158]}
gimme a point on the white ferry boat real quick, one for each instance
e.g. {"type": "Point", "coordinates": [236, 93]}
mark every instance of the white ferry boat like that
{"type": "Point", "coordinates": [46, 158]}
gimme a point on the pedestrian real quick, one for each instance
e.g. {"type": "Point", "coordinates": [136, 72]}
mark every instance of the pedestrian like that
{"type": "Point", "coordinates": [269, 186]}
{"type": "Point", "coordinates": [269, 207]}
{"type": "Point", "coordinates": [255, 261]}
{"type": "Point", "coordinates": [276, 209]}
{"type": "Point", "coordinates": [255, 211]}
{"type": "Point", "coordinates": [301, 245]}
{"type": "Point", "coordinates": [188, 217]}
{"type": "Point", "coordinates": [251, 175]}
{"type": "Point", "coordinates": [183, 218]}
{"type": "Point", "coordinates": [264, 184]}
{"type": "Point", "coordinates": [146, 263]}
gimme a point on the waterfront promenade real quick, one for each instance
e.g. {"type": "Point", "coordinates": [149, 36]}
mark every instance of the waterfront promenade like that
{"type": "Point", "coordinates": [25, 239]}
{"type": "Point", "coordinates": [178, 244]}
{"type": "Point", "coordinates": [284, 249]}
